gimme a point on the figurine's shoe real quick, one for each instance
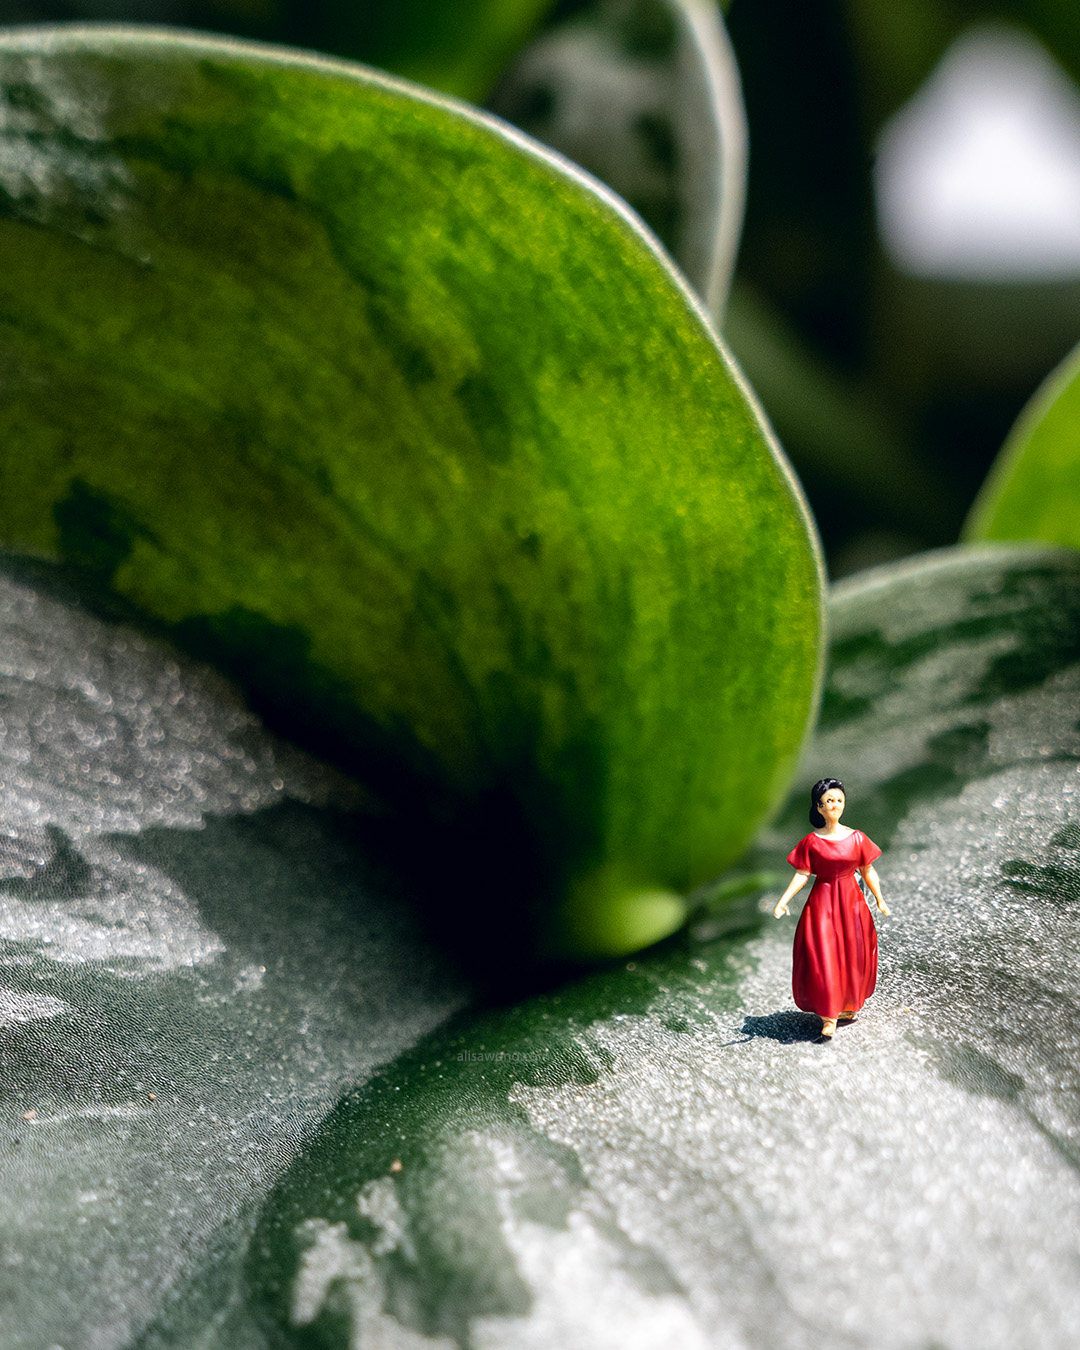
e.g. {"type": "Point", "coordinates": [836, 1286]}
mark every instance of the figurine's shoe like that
{"type": "Point", "coordinates": [846, 1017]}
{"type": "Point", "coordinates": [828, 1026]}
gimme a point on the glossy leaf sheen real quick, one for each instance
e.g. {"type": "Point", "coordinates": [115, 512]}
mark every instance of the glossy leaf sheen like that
{"type": "Point", "coordinates": [661, 1155]}
{"type": "Point", "coordinates": [1033, 491]}
{"type": "Point", "coordinates": [195, 960]}
{"type": "Point", "coordinates": [404, 423]}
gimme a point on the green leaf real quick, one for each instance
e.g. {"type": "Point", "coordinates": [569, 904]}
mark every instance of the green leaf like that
{"type": "Point", "coordinates": [661, 1155]}
{"type": "Point", "coordinates": [195, 960]}
{"type": "Point", "coordinates": [645, 94]}
{"type": "Point", "coordinates": [1033, 490]}
{"type": "Point", "coordinates": [414, 431]}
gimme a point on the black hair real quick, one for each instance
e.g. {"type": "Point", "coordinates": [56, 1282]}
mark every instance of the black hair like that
{"type": "Point", "coordinates": [818, 791]}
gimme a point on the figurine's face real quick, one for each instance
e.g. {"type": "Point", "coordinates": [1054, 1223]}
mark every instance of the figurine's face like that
{"type": "Point", "coordinates": [831, 806]}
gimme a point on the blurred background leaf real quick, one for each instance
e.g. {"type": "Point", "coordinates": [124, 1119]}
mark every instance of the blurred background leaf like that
{"type": "Point", "coordinates": [936, 358]}
{"type": "Point", "coordinates": [1033, 491]}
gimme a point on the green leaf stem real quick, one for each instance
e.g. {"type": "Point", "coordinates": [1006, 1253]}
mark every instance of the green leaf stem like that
{"type": "Point", "coordinates": [411, 428]}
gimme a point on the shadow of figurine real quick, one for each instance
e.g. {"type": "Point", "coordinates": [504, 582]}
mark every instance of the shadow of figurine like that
{"type": "Point", "coordinates": [785, 1027]}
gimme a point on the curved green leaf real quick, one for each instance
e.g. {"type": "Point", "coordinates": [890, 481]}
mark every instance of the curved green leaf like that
{"type": "Point", "coordinates": [661, 1155]}
{"type": "Point", "coordinates": [645, 94]}
{"type": "Point", "coordinates": [1033, 490]}
{"type": "Point", "coordinates": [413, 430]}
{"type": "Point", "coordinates": [195, 960]}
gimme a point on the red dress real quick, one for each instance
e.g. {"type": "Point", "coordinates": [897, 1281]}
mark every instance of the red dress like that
{"type": "Point", "coordinates": [834, 964]}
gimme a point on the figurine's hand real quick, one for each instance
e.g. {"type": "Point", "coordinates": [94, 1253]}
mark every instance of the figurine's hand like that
{"type": "Point", "coordinates": [883, 907]}
{"type": "Point", "coordinates": [781, 908]}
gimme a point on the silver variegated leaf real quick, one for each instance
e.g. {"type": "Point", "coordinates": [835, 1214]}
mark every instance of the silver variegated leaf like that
{"type": "Point", "coordinates": [664, 1155]}
{"type": "Point", "coordinates": [194, 962]}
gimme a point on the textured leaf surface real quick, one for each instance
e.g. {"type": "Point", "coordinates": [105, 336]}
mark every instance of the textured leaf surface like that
{"type": "Point", "coordinates": [645, 94]}
{"type": "Point", "coordinates": [414, 431]}
{"type": "Point", "coordinates": [195, 960]}
{"type": "Point", "coordinates": [660, 1155]}
{"type": "Point", "coordinates": [1033, 491]}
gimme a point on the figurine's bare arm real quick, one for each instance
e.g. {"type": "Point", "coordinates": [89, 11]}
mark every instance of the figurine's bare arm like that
{"type": "Point", "coordinates": [798, 881]}
{"type": "Point", "coordinates": [871, 879]}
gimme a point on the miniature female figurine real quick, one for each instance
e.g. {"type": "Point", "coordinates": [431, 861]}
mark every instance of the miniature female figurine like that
{"type": "Point", "coordinates": [834, 963]}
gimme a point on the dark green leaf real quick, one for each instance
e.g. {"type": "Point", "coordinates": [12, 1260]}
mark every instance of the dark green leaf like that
{"type": "Point", "coordinates": [395, 417]}
{"type": "Point", "coordinates": [660, 1155]}
{"type": "Point", "coordinates": [1033, 491]}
